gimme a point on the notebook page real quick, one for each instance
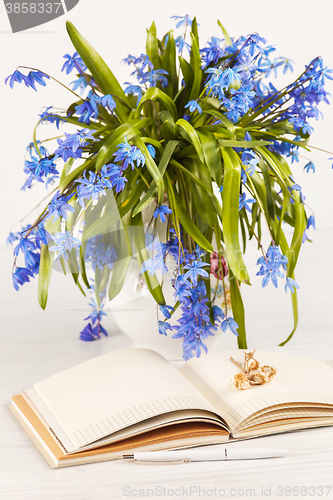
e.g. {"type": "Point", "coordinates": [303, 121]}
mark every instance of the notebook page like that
{"type": "Point", "coordinates": [298, 379]}
{"type": "Point", "coordinates": [116, 390]}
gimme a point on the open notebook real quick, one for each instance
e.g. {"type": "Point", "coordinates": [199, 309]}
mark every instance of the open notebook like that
{"type": "Point", "coordinates": [134, 399]}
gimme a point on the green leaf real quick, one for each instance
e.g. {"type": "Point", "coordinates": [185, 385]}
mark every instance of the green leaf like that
{"type": "Point", "coordinates": [188, 75]}
{"type": "Point", "coordinates": [44, 275]}
{"type": "Point", "coordinates": [211, 110]}
{"type": "Point", "coordinates": [155, 94]}
{"type": "Point", "coordinates": [241, 144]}
{"type": "Point", "coordinates": [190, 227]}
{"type": "Point", "coordinates": [142, 255]}
{"type": "Point", "coordinates": [238, 310]}
{"type": "Point", "coordinates": [169, 65]}
{"type": "Point", "coordinates": [212, 153]}
{"type": "Point", "coordinates": [227, 38]}
{"type": "Point", "coordinates": [196, 65]}
{"type": "Point", "coordinates": [269, 193]}
{"type": "Point", "coordinates": [202, 197]}
{"type": "Point", "coordinates": [191, 135]}
{"type": "Point", "coordinates": [152, 167]}
{"type": "Point", "coordinates": [122, 245]}
{"type": "Point", "coordinates": [152, 46]}
{"type": "Point", "coordinates": [104, 223]}
{"type": "Point", "coordinates": [300, 226]}
{"type": "Point", "coordinates": [164, 161]}
{"type": "Point", "coordinates": [65, 171]}
{"type": "Point", "coordinates": [230, 214]}
{"type": "Point", "coordinates": [102, 74]}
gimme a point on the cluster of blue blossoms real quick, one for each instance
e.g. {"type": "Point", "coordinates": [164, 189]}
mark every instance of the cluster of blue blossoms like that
{"type": "Point", "coordinates": [234, 75]}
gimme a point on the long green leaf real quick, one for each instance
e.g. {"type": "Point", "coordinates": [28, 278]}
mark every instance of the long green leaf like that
{"type": "Point", "coordinates": [142, 255]}
{"type": "Point", "coordinates": [230, 214]}
{"type": "Point", "coordinates": [122, 245]}
{"type": "Point", "coordinates": [192, 136]}
{"type": "Point", "coordinates": [227, 38]}
{"type": "Point", "coordinates": [202, 198]}
{"type": "Point", "coordinates": [155, 94]}
{"type": "Point", "coordinates": [297, 239]}
{"type": "Point", "coordinates": [267, 180]}
{"type": "Point", "coordinates": [44, 275]}
{"type": "Point", "coordinates": [152, 167]}
{"type": "Point", "coordinates": [152, 46]}
{"type": "Point", "coordinates": [191, 228]}
{"type": "Point", "coordinates": [212, 154]}
{"type": "Point", "coordinates": [102, 74]}
{"type": "Point", "coordinates": [196, 65]}
{"type": "Point", "coordinates": [169, 65]}
{"type": "Point", "coordinates": [164, 161]}
{"type": "Point", "coordinates": [238, 310]}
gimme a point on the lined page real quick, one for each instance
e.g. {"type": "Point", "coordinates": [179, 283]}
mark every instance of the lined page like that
{"type": "Point", "coordinates": [116, 390]}
{"type": "Point", "coordinates": [298, 380]}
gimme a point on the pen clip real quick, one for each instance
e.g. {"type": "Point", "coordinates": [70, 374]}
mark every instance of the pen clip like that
{"type": "Point", "coordinates": [130, 458]}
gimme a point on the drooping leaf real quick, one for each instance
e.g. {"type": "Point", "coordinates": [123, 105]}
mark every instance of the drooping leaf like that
{"type": "Point", "coordinates": [230, 214]}
{"type": "Point", "coordinates": [102, 74]}
{"type": "Point", "coordinates": [152, 46]}
{"type": "Point", "coordinates": [44, 275]}
{"type": "Point", "coordinates": [238, 310]}
{"type": "Point", "coordinates": [192, 136]}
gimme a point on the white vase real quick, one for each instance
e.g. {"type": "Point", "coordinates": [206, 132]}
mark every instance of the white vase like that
{"type": "Point", "coordinates": [136, 313]}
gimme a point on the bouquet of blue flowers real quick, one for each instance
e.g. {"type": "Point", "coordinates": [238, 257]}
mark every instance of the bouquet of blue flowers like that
{"type": "Point", "coordinates": [200, 143]}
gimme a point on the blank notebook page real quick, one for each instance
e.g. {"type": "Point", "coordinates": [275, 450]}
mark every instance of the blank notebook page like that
{"type": "Point", "coordinates": [113, 391]}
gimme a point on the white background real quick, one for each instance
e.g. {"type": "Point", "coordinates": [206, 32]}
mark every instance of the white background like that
{"type": "Point", "coordinates": [300, 30]}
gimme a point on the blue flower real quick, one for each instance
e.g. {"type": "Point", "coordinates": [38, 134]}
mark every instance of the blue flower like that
{"type": "Point", "coordinates": [134, 89]}
{"type": "Point", "coordinates": [165, 311]}
{"type": "Point", "coordinates": [107, 101]}
{"type": "Point", "coordinates": [309, 166]}
{"type": "Point", "coordinates": [163, 326]}
{"type": "Point", "coordinates": [243, 202]}
{"type": "Point", "coordinates": [72, 62]}
{"type": "Point", "coordinates": [291, 284]}
{"type": "Point", "coordinates": [183, 20]}
{"type": "Point", "coordinates": [64, 241]}
{"type": "Point", "coordinates": [58, 207]}
{"type": "Point", "coordinates": [21, 276]}
{"type": "Point", "coordinates": [311, 222]}
{"type": "Point", "coordinates": [193, 106]}
{"type": "Point", "coordinates": [36, 77]}
{"type": "Point", "coordinates": [151, 150]}
{"type": "Point", "coordinates": [195, 270]}
{"type": "Point", "coordinates": [231, 324]}
{"type": "Point", "coordinates": [161, 211]}
{"type": "Point", "coordinates": [128, 155]}
{"type": "Point", "coordinates": [18, 77]}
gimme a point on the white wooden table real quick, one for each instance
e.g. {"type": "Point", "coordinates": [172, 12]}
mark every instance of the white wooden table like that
{"type": "Point", "coordinates": [36, 344]}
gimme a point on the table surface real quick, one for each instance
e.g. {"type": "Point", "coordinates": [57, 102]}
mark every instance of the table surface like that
{"type": "Point", "coordinates": [36, 344]}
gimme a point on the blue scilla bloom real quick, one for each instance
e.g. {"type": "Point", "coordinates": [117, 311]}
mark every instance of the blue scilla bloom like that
{"type": "Point", "coordinates": [65, 150]}
{"type": "Point", "coordinates": [32, 261]}
{"type": "Point", "coordinates": [231, 324]}
{"type": "Point", "coordinates": [153, 76]}
{"type": "Point", "coordinates": [58, 207]}
{"type": "Point", "coordinates": [97, 312]}
{"type": "Point", "coordinates": [193, 106]}
{"type": "Point", "coordinates": [89, 334]}
{"type": "Point", "coordinates": [195, 270]}
{"type": "Point", "coordinates": [181, 44]}
{"type": "Point", "coordinates": [93, 187]}
{"type": "Point", "coordinates": [218, 313]}
{"type": "Point", "coordinates": [36, 77]}
{"type": "Point", "coordinates": [129, 155]}
{"type": "Point", "coordinates": [243, 202]}
{"type": "Point", "coordinates": [309, 166]}
{"type": "Point", "coordinates": [134, 89]}
{"type": "Point", "coordinates": [165, 311]}
{"type": "Point", "coordinates": [212, 52]}
{"type": "Point", "coordinates": [72, 62]}
{"type": "Point", "coordinates": [183, 20]}
{"type": "Point", "coordinates": [12, 237]}
{"type": "Point", "coordinates": [151, 150]}
{"type": "Point", "coordinates": [107, 101]}
{"type": "Point", "coordinates": [163, 326]}
{"type": "Point", "coordinates": [269, 273]}
{"type": "Point", "coordinates": [25, 245]}
{"type": "Point", "coordinates": [38, 168]}
{"type": "Point", "coordinates": [291, 285]}
{"type": "Point", "coordinates": [21, 276]}
{"type": "Point", "coordinates": [18, 77]}
{"type": "Point", "coordinates": [311, 222]}
{"type": "Point", "coordinates": [64, 241]}
{"type": "Point", "coordinates": [42, 236]}
{"type": "Point", "coordinates": [161, 211]}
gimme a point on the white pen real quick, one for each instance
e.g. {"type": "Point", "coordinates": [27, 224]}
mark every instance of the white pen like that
{"type": "Point", "coordinates": [202, 455]}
